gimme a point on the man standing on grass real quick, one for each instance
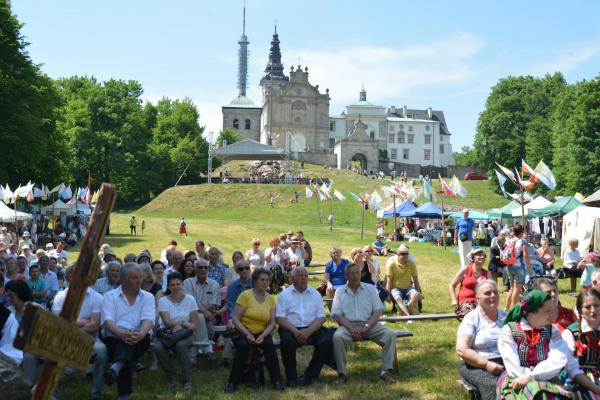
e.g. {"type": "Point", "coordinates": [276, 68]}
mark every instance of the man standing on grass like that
{"type": "Point", "coordinates": [357, 308]}
{"type": "Point", "coordinates": [463, 236]}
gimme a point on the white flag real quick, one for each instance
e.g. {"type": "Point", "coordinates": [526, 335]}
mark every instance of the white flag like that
{"type": "Point", "coordinates": [339, 196]}
{"type": "Point", "coordinates": [457, 187]}
{"type": "Point", "coordinates": [308, 193]}
{"type": "Point", "coordinates": [545, 175]}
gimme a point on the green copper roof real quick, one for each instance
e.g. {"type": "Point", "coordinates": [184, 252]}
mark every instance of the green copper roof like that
{"type": "Point", "coordinates": [242, 102]}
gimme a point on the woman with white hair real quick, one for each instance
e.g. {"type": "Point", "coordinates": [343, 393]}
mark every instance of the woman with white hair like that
{"type": "Point", "coordinates": [477, 342]}
{"type": "Point", "coordinates": [468, 278]}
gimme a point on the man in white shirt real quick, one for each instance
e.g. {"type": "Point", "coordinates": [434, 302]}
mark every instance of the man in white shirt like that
{"type": "Point", "coordinates": [300, 315]}
{"type": "Point", "coordinates": [8, 331]}
{"type": "Point", "coordinates": [128, 315]}
{"type": "Point", "coordinates": [357, 308]}
{"type": "Point", "coordinates": [49, 276]}
{"type": "Point", "coordinates": [207, 294]}
{"type": "Point", "coordinates": [88, 320]}
{"type": "Point", "coordinates": [26, 252]}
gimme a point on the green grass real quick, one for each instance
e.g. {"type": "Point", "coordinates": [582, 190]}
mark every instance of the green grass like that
{"type": "Point", "coordinates": [228, 216]}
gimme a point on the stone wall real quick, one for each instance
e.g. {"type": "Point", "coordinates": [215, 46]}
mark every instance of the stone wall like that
{"type": "Point", "coordinates": [416, 170]}
{"type": "Point", "coordinates": [325, 158]}
{"type": "Point", "coordinates": [253, 114]}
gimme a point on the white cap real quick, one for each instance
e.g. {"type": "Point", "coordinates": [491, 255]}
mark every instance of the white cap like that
{"type": "Point", "coordinates": [49, 246]}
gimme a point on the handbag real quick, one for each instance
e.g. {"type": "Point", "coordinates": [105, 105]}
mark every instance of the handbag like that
{"type": "Point", "coordinates": [168, 338]}
{"type": "Point", "coordinates": [231, 332]}
{"type": "Point", "coordinates": [322, 288]}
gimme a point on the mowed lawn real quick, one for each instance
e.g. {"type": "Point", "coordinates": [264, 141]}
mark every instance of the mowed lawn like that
{"type": "Point", "coordinates": [228, 216]}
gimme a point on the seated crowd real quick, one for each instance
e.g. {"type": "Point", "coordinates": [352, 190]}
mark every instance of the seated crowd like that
{"type": "Point", "coordinates": [172, 306]}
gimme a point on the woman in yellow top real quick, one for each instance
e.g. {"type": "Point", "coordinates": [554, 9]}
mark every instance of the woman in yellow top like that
{"type": "Point", "coordinates": [254, 318]}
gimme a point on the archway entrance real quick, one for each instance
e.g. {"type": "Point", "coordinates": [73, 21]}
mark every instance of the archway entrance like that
{"type": "Point", "coordinates": [359, 161]}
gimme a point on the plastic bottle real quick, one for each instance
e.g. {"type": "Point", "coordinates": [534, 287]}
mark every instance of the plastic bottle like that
{"type": "Point", "coordinates": [568, 384]}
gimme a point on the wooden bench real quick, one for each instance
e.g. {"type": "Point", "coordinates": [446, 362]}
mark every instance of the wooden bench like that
{"type": "Point", "coordinates": [418, 317]}
{"type": "Point", "coordinates": [470, 390]}
{"type": "Point", "coordinates": [316, 272]}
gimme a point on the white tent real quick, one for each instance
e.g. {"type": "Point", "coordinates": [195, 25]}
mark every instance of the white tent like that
{"type": "Point", "coordinates": [82, 208]}
{"type": "Point", "coordinates": [59, 207]}
{"type": "Point", "coordinates": [7, 214]}
{"type": "Point", "coordinates": [583, 224]}
{"type": "Point", "coordinates": [535, 204]}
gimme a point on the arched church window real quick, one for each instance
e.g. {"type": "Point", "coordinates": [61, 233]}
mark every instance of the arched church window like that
{"type": "Point", "coordinates": [236, 124]}
{"type": "Point", "coordinates": [247, 124]}
{"type": "Point", "coordinates": [372, 134]}
{"type": "Point", "coordinates": [298, 121]}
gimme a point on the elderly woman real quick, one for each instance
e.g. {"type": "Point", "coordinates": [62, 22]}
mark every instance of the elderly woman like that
{"type": "Point", "coordinates": [254, 319]}
{"type": "Point", "coordinates": [546, 254]}
{"type": "Point", "coordinates": [468, 278]}
{"type": "Point", "coordinates": [532, 350]}
{"type": "Point", "coordinates": [369, 268]}
{"type": "Point", "coordinates": [583, 338]}
{"type": "Point", "coordinates": [177, 311]}
{"type": "Point", "coordinates": [477, 342]}
{"type": "Point", "coordinates": [159, 273]}
{"type": "Point", "coordinates": [255, 255]}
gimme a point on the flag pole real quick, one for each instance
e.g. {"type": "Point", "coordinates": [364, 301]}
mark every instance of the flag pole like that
{"type": "Point", "coordinates": [395, 217]}
{"type": "Point", "coordinates": [318, 207]}
{"type": "Point", "coordinates": [362, 227]}
{"type": "Point", "coordinates": [15, 197]}
{"type": "Point", "coordinates": [331, 213]}
{"type": "Point", "coordinates": [443, 223]}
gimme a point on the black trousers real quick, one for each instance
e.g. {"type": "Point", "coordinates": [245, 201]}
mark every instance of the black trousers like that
{"type": "Point", "coordinates": [119, 351]}
{"type": "Point", "coordinates": [323, 346]}
{"type": "Point", "coordinates": [242, 350]}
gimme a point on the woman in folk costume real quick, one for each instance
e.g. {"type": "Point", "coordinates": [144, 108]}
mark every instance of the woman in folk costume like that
{"type": "Point", "coordinates": [533, 351]}
{"type": "Point", "coordinates": [583, 339]}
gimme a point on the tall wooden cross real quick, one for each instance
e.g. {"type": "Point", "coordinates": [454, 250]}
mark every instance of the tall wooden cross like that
{"type": "Point", "coordinates": [56, 338]}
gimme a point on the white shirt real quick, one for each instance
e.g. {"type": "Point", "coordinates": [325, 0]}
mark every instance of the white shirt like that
{"type": "Point", "coordinates": [545, 370]}
{"type": "Point", "coordinates": [178, 312]}
{"type": "Point", "coordinates": [295, 256]}
{"type": "Point", "coordinates": [92, 304]}
{"type": "Point", "coordinates": [6, 343]}
{"type": "Point", "coordinates": [255, 258]}
{"type": "Point", "coordinates": [572, 257]}
{"type": "Point", "coordinates": [116, 308]}
{"type": "Point", "coordinates": [485, 333]}
{"type": "Point", "coordinates": [300, 308]}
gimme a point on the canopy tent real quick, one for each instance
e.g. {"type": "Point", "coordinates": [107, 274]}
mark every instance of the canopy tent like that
{"type": "Point", "coordinates": [249, 150]}
{"type": "Point", "coordinates": [7, 214]}
{"type": "Point", "coordinates": [58, 207]}
{"type": "Point", "coordinates": [560, 207]}
{"type": "Point", "coordinates": [82, 208]}
{"type": "Point", "coordinates": [583, 224]}
{"type": "Point", "coordinates": [593, 199]}
{"type": "Point", "coordinates": [504, 212]}
{"type": "Point", "coordinates": [427, 210]}
{"type": "Point", "coordinates": [535, 204]}
{"type": "Point", "coordinates": [388, 212]}
{"type": "Point", "coordinates": [472, 215]}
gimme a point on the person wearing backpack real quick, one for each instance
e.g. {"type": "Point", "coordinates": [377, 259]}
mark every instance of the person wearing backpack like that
{"type": "Point", "coordinates": [516, 257]}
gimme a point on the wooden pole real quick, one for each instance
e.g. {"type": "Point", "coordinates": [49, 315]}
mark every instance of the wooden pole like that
{"type": "Point", "coordinates": [395, 217]}
{"type": "Point", "coordinates": [319, 208]}
{"type": "Point", "coordinates": [15, 204]}
{"type": "Point", "coordinates": [331, 213]}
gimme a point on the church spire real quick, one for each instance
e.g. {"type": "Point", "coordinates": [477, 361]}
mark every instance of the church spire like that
{"type": "Point", "coordinates": [243, 58]}
{"type": "Point", "coordinates": [274, 69]}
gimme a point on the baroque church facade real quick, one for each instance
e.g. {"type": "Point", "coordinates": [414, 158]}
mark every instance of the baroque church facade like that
{"type": "Point", "coordinates": [294, 115]}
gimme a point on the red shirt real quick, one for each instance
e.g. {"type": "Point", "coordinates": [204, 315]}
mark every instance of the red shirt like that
{"type": "Point", "coordinates": [468, 283]}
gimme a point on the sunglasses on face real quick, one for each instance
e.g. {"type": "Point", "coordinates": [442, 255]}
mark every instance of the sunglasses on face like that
{"type": "Point", "coordinates": [402, 254]}
{"type": "Point", "coordinates": [244, 269]}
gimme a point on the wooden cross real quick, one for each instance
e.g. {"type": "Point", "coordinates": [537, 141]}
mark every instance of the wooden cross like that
{"type": "Point", "coordinates": [56, 338]}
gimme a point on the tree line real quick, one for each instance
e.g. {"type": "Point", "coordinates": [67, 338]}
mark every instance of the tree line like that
{"type": "Point", "coordinates": [60, 130]}
{"type": "Point", "coordinates": [534, 118]}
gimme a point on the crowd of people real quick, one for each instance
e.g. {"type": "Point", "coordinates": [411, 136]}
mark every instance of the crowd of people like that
{"type": "Point", "coordinates": [186, 305]}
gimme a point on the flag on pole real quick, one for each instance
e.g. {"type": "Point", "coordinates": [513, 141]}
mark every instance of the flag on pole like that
{"type": "Point", "coordinates": [526, 169]}
{"type": "Point", "coordinates": [309, 193]}
{"type": "Point", "coordinates": [30, 196]}
{"type": "Point", "coordinates": [545, 175]}
{"type": "Point", "coordinates": [72, 201]}
{"type": "Point", "coordinates": [427, 189]}
{"type": "Point", "coordinates": [509, 174]}
{"type": "Point", "coordinates": [501, 181]}
{"type": "Point", "coordinates": [95, 197]}
{"type": "Point", "coordinates": [458, 188]}
{"type": "Point", "coordinates": [375, 200]}
{"type": "Point", "coordinates": [446, 190]}
{"type": "Point", "coordinates": [339, 196]}
{"type": "Point", "coordinates": [67, 193]}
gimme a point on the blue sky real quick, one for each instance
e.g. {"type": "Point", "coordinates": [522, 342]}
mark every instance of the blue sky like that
{"type": "Point", "coordinates": [443, 54]}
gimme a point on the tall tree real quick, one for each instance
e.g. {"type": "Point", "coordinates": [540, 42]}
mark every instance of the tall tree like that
{"type": "Point", "coordinates": [28, 101]}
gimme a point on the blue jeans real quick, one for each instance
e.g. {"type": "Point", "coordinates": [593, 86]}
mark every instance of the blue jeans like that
{"type": "Point", "coordinates": [403, 293]}
{"type": "Point", "coordinates": [100, 357]}
{"type": "Point", "coordinates": [516, 274]}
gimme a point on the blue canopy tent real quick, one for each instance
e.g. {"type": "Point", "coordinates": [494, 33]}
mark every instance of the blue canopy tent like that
{"type": "Point", "coordinates": [427, 210]}
{"type": "Point", "coordinates": [405, 207]}
{"type": "Point", "coordinates": [472, 215]}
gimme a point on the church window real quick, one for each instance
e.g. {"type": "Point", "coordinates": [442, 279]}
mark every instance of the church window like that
{"type": "Point", "coordinates": [401, 127]}
{"type": "Point", "coordinates": [298, 121]}
{"type": "Point", "coordinates": [372, 135]}
{"type": "Point", "coordinates": [331, 143]}
{"type": "Point", "coordinates": [298, 105]}
{"type": "Point", "coordinates": [392, 138]}
{"type": "Point", "coordinates": [441, 149]}
{"type": "Point", "coordinates": [427, 155]}
{"type": "Point", "coordinates": [427, 127]}
{"type": "Point", "coordinates": [405, 154]}
{"type": "Point", "coordinates": [401, 137]}
{"type": "Point", "coordinates": [392, 128]}
{"type": "Point", "coordinates": [236, 124]}
{"type": "Point", "coordinates": [411, 138]}
{"type": "Point", "coordinates": [441, 138]}
{"type": "Point", "coordinates": [247, 124]}
{"type": "Point", "coordinates": [332, 126]}
{"type": "Point", "coordinates": [427, 139]}
{"type": "Point", "coordinates": [410, 128]}
{"type": "Point", "coordinates": [394, 154]}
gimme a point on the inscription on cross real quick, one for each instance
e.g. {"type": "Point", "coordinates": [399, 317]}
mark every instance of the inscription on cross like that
{"type": "Point", "coordinates": [56, 338]}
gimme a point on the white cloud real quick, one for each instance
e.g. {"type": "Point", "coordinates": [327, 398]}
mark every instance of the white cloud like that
{"type": "Point", "coordinates": [391, 72]}
{"type": "Point", "coordinates": [569, 60]}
